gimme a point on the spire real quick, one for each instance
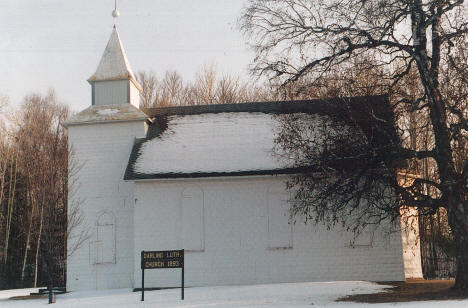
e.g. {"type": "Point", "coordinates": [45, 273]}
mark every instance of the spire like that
{"type": "Point", "coordinates": [113, 83]}
{"type": "Point", "coordinates": [115, 13]}
{"type": "Point", "coordinates": [114, 63]}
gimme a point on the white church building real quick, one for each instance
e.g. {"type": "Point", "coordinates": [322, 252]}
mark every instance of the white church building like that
{"type": "Point", "coordinates": [201, 178]}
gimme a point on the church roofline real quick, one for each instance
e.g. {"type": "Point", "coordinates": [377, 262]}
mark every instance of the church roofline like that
{"type": "Point", "coordinates": [133, 176]}
{"type": "Point", "coordinates": [327, 106]}
{"type": "Point", "coordinates": [366, 110]}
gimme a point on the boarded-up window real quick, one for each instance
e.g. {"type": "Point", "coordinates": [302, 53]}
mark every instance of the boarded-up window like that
{"type": "Point", "coordinates": [365, 238]}
{"type": "Point", "coordinates": [192, 230]}
{"type": "Point", "coordinates": [280, 232]}
{"type": "Point", "coordinates": [105, 244]}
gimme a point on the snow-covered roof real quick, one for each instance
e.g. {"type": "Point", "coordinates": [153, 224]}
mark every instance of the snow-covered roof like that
{"type": "Point", "coordinates": [106, 113]}
{"type": "Point", "coordinates": [220, 140]}
{"type": "Point", "coordinates": [114, 63]}
{"type": "Point", "coordinates": [211, 143]}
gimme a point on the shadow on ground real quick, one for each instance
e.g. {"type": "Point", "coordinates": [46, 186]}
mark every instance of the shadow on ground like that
{"type": "Point", "coordinates": [409, 291]}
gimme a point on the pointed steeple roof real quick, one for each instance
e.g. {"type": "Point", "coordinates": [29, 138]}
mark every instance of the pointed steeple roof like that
{"type": "Point", "coordinates": [114, 63]}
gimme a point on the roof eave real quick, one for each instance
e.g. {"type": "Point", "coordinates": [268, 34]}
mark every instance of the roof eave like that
{"type": "Point", "coordinates": [67, 124]}
{"type": "Point", "coordinates": [134, 176]}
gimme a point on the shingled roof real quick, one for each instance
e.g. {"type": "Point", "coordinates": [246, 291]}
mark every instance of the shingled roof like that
{"type": "Point", "coordinates": [114, 64]}
{"type": "Point", "coordinates": [237, 139]}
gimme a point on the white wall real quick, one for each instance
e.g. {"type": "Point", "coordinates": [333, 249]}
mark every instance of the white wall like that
{"type": "Point", "coordinates": [134, 95]}
{"type": "Point", "coordinates": [236, 244]}
{"type": "Point", "coordinates": [102, 151]}
{"type": "Point", "coordinates": [111, 92]}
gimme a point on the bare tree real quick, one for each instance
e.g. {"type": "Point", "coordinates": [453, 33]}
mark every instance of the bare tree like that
{"type": "Point", "coordinates": [175, 91]}
{"type": "Point", "coordinates": [42, 144]}
{"type": "Point", "coordinates": [204, 88]}
{"type": "Point", "coordinates": [209, 87]}
{"type": "Point", "coordinates": [8, 179]}
{"type": "Point", "coordinates": [149, 84]}
{"type": "Point", "coordinates": [301, 40]}
{"type": "Point", "coordinates": [169, 91]}
{"type": "Point", "coordinates": [4, 159]}
{"type": "Point", "coordinates": [36, 167]}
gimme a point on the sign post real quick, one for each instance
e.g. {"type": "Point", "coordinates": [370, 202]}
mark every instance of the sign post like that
{"type": "Point", "coordinates": [182, 289]}
{"type": "Point", "coordinates": [161, 259]}
{"type": "Point", "coordinates": [142, 279]}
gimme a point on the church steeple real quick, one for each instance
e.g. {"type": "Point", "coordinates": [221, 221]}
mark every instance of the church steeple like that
{"type": "Point", "coordinates": [114, 63]}
{"type": "Point", "coordinates": [115, 91]}
{"type": "Point", "coordinates": [113, 83]}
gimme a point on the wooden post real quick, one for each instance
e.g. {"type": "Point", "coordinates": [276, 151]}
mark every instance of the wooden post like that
{"type": "Point", "coordinates": [51, 295]}
{"type": "Point", "coordinates": [142, 278]}
{"type": "Point", "coordinates": [183, 267]}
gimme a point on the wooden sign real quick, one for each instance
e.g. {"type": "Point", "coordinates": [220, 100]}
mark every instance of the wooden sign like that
{"type": "Point", "coordinates": [160, 260]}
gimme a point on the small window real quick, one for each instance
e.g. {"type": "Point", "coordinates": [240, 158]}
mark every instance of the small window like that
{"type": "Point", "coordinates": [280, 230]}
{"type": "Point", "coordinates": [105, 242]}
{"type": "Point", "coordinates": [192, 229]}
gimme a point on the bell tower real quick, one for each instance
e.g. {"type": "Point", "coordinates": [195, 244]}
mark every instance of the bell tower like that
{"type": "Point", "coordinates": [113, 83]}
{"type": "Point", "coordinates": [102, 136]}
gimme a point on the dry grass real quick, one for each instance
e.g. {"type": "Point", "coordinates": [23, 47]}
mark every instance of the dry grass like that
{"type": "Point", "coordinates": [411, 290]}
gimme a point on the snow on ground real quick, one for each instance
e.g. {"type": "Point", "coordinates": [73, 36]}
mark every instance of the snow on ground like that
{"type": "Point", "coordinates": [6, 294]}
{"type": "Point", "coordinates": [296, 295]}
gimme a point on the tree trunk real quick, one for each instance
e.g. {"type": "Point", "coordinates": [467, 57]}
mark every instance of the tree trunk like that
{"type": "Point", "coordinates": [38, 247]}
{"type": "Point", "coordinates": [10, 206]}
{"type": "Point", "coordinates": [3, 170]}
{"type": "Point", "coordinates": [28, 237]}
{"type": "Point", "coordinates": [458, 221]}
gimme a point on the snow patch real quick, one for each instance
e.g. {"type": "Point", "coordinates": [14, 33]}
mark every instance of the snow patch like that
{"type": "Point", "coordinates": [107, 111]}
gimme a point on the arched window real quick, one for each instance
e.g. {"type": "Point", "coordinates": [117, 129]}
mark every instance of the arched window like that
{"type": "Point", "coordinates": [192, 222]}
{"type": "Point", "coordinates": [105, 238]}
{"type": "Point", "coordinates": [280, 230]}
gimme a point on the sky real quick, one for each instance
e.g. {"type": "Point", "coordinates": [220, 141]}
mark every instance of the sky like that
{"type": "Point", "coordinates": [57, 44]}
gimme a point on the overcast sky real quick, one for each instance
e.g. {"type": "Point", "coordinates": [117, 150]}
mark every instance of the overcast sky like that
{"type": "Point", "coordinates": [58, 43]}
